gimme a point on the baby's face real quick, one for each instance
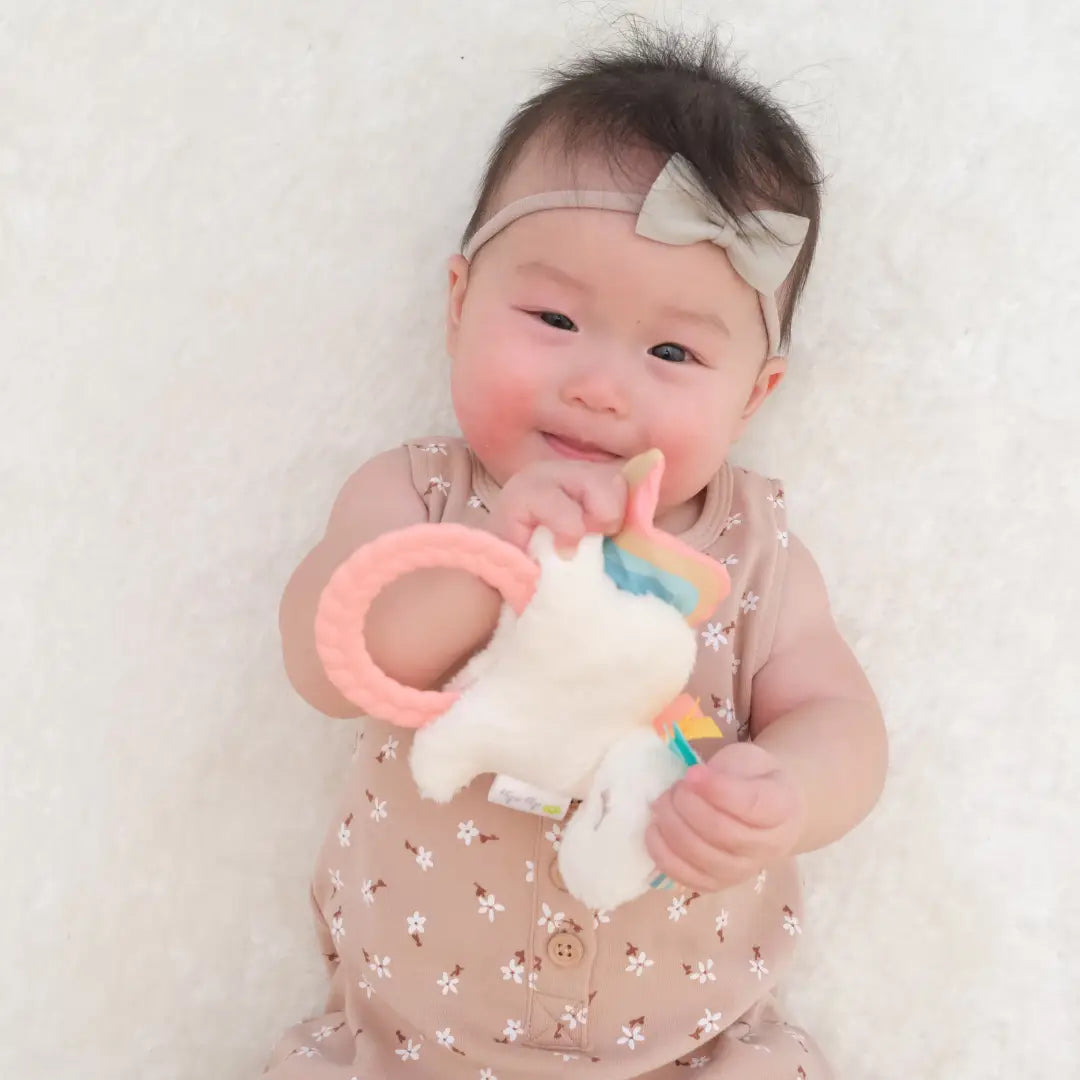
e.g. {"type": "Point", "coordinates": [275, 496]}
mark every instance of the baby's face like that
{"type": "Point", "coordinates": [571, 336]}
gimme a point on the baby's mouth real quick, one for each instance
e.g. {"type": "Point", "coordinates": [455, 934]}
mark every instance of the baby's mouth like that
{"type": "Point", "coordinates": [576, 449]}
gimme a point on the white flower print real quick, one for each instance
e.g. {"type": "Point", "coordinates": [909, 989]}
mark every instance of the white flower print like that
{"type": "Point", "coordinates": [368, 989]}
{"type": "Point", "coordinates": [759, 881]}
{"type": "Point", "coordinates": [530, 871]}
{"type": "Point", "coordinates": [335, 880]}
{"type": "Point", "coordinates": [323, 1033]}
{"type": "Point", "coordinates": [487, 1074]}
{"type": "Point", "coordinates": [601, 916]}
{"type": "Point", "coordinates": [424, 859]}
{"type": "Point", "coordinates": [722, 921]}
{"type": "Point", "coordinates": [344, 835]}
{"type": "Point", "coordinates": [757, 965]}
{"type": "Point", "coordinates": [677, 908]}
{"type": "Point", "coordinates": [710, 1022]}
{"type": "Point", "coordinates": [730, 560]}
{"type": "Point", "coordinates": [337, 927]}
{"type": "Point", "coordinates": [704, 973]}
{"type": "Point", "coordinates": [305, 1051]}
{"type": "Point", "coordinates": [437, 483]}
{"type": "Point", "coordinates": [433, 448]}
{"type": "Point", "coordinates": [381, 967]}
{"type": "Point", "coordinates": [736, 663]}
{"type": "Point", "coordinates": [367, 891]}
{"type": "Point", "coordinates": [749, 602]}
{"type": "Point", "coordinates": [731, 522]}
{"type": "Point", "coordinates": [791, 922]}
{"type": "Point", "coordinates": [699, 1062]}
{"type": "Point", "coordinates": [416, 923]}
{"type": "Point", "coordinates": [782, 536]}
{"type": "Point", "coordinates": [389, 749]}
{"type": "Point", "coordinates": [444, 1038]}
{"type": "Point", "coordinates": [554, 834]}
{"type": "Point", "coordinates": [565, 1056]}
{"type": "Point", "coordinates": [725, 710]}
{"type": "Point", "coordinates": [409, 1052]}
{"type": "Point", "coordinates": [631, 1035]}
{"type": "Point", "coordinates": [488, 906]}
{"type": "Point", "coordinates": [476, 502]}
{"type": "Point", "coordinates": [515, 970]}
{"type": "Point", "coordinates": [776, 500]}
{"type": "Point", "coordinates": [467, 831]}
{"type": "Point", "coordinates": [378, 810]}
{"type": "Point", "coordinates": [513, 1029]}
{"type": "Point", "coordinates": [553, 919]}
{"type": "Point", "coordinates": [448, 983]}
{"type": "Point", "coordinates": [714, 636]}
{"type": "Point", "coordinates": [534, 979]}
{"type": "Point", "coordinates": [573, 1015]}
{"type": "Point", "coordinates": [638, 963]}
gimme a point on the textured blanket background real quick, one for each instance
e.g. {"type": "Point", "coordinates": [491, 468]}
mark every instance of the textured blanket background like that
{"type": "Point", "coordinates": [222, 233]}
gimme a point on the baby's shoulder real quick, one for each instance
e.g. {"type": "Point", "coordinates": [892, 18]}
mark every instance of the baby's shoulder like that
{"type": "Point", "coordinates": [447, 476]}
{"type": "Point", "coordinates": [752, 490]}
{"type": "Point", "coordinates": [437, 449]}
{"type": "Point", "coordinates": [437, 446]}
{"type": "Point", "coordinates": [752, 513]}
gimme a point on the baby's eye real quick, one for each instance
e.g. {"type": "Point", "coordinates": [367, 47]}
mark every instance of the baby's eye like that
{"type": "Point", "coordinates": [674, 354]}
{"type": "Point", "coordinates": [556, 319]}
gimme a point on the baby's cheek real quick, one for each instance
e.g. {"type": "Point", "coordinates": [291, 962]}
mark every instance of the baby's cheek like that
{"type": "Point", "coordinates": [495, 403]}
{"type": "Point", "coordinates": [695, 444]}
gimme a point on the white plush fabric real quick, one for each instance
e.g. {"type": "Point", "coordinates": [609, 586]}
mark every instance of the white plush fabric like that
{"type": "Point", "coordinates": [222, 228]}
{"type": "Point", "coordinates": [562, 698]}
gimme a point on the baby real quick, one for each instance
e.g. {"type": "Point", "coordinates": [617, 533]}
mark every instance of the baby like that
{"type": "Point", "coordinates": [627, 281]}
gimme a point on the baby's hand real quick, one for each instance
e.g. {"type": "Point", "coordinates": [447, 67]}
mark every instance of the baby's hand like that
{"type": "Point", "coordinates": [571, 498]}
{"type": "Point", "coordinates": [722, 822]}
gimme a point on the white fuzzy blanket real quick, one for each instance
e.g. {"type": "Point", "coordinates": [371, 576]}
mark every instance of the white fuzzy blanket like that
{"type": "Point", "coordinates": [222, 228]}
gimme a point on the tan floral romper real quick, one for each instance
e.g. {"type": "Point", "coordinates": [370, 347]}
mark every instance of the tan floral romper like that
{"type": "Point", "coordinates": [455, 951]}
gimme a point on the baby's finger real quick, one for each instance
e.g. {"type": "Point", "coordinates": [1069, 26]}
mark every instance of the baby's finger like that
{"type": "Point", "coordinates": [761, 802]}
{"type": "Point", "coordinates": [718, 829]}
{"type": "Point", "coordinates": [601, 492]}
{"type": "Point", "coordinates": [605, 505]}
{"type": "Point", "coordinates": [696, 850]}
{"type": "Point", "coordinates": [562, 515]}
{"type": "Point", "coordinates": [676, 868]}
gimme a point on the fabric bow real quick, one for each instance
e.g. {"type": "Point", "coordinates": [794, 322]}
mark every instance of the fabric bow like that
{"type": "Point", "coordinates": [679, 209]}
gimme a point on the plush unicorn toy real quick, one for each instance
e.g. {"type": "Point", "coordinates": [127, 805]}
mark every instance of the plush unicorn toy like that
{"type": "Point", "coordinates": [592, 651]}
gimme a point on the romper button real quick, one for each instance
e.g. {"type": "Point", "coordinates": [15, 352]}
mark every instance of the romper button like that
{"type": "Point", "coordinates": [565, 950]}
{"type": "Point", "coordinates": [556, 876]}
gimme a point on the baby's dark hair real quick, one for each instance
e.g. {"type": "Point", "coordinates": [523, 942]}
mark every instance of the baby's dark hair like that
{"type": "Point", "coordinates": [676, 94]}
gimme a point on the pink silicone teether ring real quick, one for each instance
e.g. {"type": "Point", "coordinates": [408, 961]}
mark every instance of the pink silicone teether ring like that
{"type": "Point", "coordinates": [344, 604]}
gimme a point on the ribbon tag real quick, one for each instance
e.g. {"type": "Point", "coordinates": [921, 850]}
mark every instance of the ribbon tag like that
{"type": "Point", "coordinates": [517, 795]}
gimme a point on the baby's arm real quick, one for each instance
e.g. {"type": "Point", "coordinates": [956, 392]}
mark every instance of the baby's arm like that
{"type": "Point", "coordinates": [422, 628]}
{"type": "Point", "coordinates": [419, 629]}
{"type": "Point", "coordinates": [813, 709]}
{"type": "Point", "coordinates": [815, 765]}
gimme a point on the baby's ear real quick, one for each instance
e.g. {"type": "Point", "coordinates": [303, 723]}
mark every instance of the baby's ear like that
{"type": "Point", "coordinates": [768, 379]}
{"type": "Point", "coordinates": [458, 272]}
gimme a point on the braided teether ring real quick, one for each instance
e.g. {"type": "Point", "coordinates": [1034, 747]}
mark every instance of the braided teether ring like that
{"type": "Point", "coordinates": [344, 604]}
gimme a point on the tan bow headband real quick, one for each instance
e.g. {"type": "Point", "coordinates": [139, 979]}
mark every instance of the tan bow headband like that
{"type": "Point", "coordinates": [678, 209]}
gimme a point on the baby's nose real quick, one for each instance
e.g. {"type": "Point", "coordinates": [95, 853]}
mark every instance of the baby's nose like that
{"type": "Point", "coordinates": [597, 387]}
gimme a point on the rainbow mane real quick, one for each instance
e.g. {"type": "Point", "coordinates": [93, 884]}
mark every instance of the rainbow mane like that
{"type": "Point", "coordinates": [645, 560]}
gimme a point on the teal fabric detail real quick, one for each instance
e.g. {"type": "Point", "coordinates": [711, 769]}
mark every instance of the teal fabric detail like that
{"type": "Point", "coordinates": [681, 748]}
{"type": "Point", "coordinates": [634, 575]}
